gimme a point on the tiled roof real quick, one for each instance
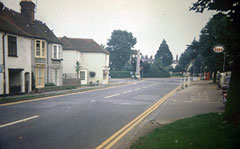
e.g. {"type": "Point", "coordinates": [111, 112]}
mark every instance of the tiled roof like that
{"type": "Point", "coordinates": [82, 45]}
{"type": "Point", "coordinates": [13, 22]}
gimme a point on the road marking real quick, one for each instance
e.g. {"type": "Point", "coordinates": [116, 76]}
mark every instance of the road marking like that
{"type": "Point", "coordinates": [145, 87]}
{"type": "Point", "coordinates": [137, 89]}
{"type": "Point", "coordinates": [127, 92]}
{"type": "Point", "coordinates": [19, 121]}
{"type": "Point", "coordinates": [107, 144]}
{"type": "Point", "coordinates": [111, 96]}
{"type": "Point", "coordinates": [67, 94]}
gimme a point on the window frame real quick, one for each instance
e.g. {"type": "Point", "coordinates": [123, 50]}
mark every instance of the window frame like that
{"type": "Point", "coordinates": [12, 46]}
{"type": "Point", "coordinates": [56, 54]}
{"type": "Point", "coordinates": [42, 48]}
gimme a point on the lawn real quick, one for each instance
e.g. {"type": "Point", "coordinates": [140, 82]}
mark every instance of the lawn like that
{"type": "Point", "coordinates": [198, 132]}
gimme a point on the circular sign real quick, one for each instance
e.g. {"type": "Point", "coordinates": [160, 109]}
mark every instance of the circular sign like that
{"type": "Point", "coordinates": [218, 48]}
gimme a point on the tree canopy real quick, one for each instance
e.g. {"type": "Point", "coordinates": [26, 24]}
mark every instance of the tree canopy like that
{"type": "Point", "coordinates": [231, 38]}
{"type": "Point", "coordinates": [164, 54]}
{"type": "Point", "coordinates": [119, 46]}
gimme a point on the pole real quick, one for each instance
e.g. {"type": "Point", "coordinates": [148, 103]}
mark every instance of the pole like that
{"type": "Point", "coordinates": [224, 60]}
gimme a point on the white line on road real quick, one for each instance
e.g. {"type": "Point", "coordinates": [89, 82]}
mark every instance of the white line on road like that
{"type": "Point", "coordinates": [19, 121]}
{"type": "Point", "coordinates": [127, 92]}
{"type": "Point", "coordinates": [111, 96]}
{"type": "Point", "coordinates": [145, 87]}
{"type": "Point", "coordinates": [137, 89]}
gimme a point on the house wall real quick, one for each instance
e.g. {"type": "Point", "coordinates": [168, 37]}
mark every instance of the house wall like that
{"type": "Point", "coordinates": [22, 61]}
{"type": "Point", "coordinates": [54, 67]}
{"type": "Point", "coordinates": [70, 57]}
{"type": "Point", "coordinates": [1, 63]}
{"type": "Point", "coordinates": [95, 62]}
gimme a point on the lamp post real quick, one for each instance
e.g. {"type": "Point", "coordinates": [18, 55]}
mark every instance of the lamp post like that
{"type": "Point", "coordinates": [224, 60]}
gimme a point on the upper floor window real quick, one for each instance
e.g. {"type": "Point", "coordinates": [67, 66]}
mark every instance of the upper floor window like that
{"type": "Point", "coordinates": [12, 46]}
{"type": "Point", "coordinates": [56, 51]}
{"type": "Point", "coordinates": [40, 48]}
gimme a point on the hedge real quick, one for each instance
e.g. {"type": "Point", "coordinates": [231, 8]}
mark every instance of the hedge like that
{"type": "Point", "coordinates": [120, 74]}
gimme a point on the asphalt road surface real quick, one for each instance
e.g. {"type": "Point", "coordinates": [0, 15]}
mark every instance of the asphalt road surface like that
{"type": "Point", "coordinates": [81, 120]}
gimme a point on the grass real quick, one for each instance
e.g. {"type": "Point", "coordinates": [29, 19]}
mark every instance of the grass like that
{"type": "Point", "coordinates": [198, 132]}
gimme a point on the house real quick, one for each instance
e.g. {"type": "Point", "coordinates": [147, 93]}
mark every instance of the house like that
{"type": "Point", "coordinates": [93, 59]}
{"type": "Point", "coordinates": [31, 55]}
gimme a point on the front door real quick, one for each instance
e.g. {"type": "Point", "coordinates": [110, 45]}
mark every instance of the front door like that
{"type": "Point", "coordinates": [83, 77]}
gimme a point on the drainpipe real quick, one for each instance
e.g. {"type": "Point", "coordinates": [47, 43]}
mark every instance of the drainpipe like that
{"type": "Point", "coordinates": [47, 66]}
{"type": "Point", "coordinates": [4, 74]}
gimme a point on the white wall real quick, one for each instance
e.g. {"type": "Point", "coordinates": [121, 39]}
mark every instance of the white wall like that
{"type": "Point", "coordinates": [1, 62]}
{"type": "Point", "coordinates": [22, 61]}
{"type": "Point", "coordinates": [70, 57]}
{"type": "Point", "coordinates": [95, 62]}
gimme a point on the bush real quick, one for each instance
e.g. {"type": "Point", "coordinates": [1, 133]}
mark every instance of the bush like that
{"type": "Point", "coordinates": [120, 74]}
{"type": "Point", "coordinates": [49, 84]}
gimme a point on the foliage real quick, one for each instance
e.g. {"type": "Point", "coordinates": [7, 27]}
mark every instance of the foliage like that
{"type": "Point", "coordinates": [33, 82]}
{"type": "Point", "coordinates": [119, 46]}
{"type": "Point", "coordinates": [120, 74]}
{"type": "Point", "coordinates": [231, 9]}
{"type": "Point", "coordinates": [77, 68]}
{"type": "Point", "coordinates": [164, 54]}
{"type": "Point", "coordinates": [187, 57]}
{"type": "Point", "coordinates": [49, 84]}
{"type": "Point", "coordinates": [156, 70]}
{"type": "Point", "coordinates": [202, 131]}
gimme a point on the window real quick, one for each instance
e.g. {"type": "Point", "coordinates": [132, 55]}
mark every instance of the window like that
{"type": "Point", "coordinates": [40, 48]}
{"type": "Point", "coordinates": [12, 46]}
{"type": "Point", "coordinates": [56, 52]}
{"type": "Point", "coordinates": [39, 76]}
{"type": "Point", "coordinates": [82, 75]}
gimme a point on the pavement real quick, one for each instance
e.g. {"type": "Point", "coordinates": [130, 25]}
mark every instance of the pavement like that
{"type": "Point", "coordinates": [200, 97]}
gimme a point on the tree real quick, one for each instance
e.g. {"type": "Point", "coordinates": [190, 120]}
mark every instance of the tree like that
{"type": "Point", "coordinates": [232, 10]}
{"type": "Point", "coordinates": [77, 68]}
{"type": "Point", "coordinates": [119, 46]}
{"type": "Point", "coordinates": [164, 54]}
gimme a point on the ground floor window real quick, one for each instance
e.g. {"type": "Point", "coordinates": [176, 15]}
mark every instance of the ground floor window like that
{"type": "Point", "coordinates": [82, 75]}
{"type": "Point", "coordinates": [39, 70]}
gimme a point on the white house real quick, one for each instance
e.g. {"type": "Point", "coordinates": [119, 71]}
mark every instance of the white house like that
{"type": "Point", "coordinates": [30, 53]}
{"type": "Point", "coordinates": [93, 59]}
{"type": "Point", "coordinates": [15, 61]}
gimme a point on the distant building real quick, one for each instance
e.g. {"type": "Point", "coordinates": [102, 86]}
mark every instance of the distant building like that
{"type": "Point", "coordinates": [28, 48]}
{"type": "Point", "coordinates": [92, 57]}
{"type": "Point", "coordinates": [175, 62]}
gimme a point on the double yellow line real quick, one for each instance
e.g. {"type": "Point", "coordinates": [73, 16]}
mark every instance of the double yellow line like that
{"type": "Point", "coordinates": [123, 131]}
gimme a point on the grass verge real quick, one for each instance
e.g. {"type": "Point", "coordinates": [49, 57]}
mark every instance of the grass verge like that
{"type": "Point", "coordinates": [198, 132]}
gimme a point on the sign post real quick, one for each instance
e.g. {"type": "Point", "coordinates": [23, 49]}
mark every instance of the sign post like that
{"type": "Point", "coordinates": [219, 49]}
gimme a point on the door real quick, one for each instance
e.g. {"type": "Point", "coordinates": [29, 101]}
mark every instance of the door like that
{"type": "Point", "coordinates": [83, 77]}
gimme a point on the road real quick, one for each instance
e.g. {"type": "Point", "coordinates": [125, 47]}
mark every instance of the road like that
{"type": "Point", "coordinates": [81, 120]}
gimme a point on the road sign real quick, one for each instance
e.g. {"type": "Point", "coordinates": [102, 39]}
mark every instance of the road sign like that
{"type": "Point", "coordinates": [218, 48]}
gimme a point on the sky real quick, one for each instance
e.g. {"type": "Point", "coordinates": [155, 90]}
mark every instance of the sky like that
{"type": "Point", "coordinates": [150, 21]}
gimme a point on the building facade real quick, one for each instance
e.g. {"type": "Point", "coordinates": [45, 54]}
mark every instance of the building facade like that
{"type": "Point", "coordinates": [30, 53]}
{"type": "Point", "coordinates": [93, 59]}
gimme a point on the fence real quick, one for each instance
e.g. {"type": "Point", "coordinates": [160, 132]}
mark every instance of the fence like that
{"type": "Point", "coordinates": [70, 79]}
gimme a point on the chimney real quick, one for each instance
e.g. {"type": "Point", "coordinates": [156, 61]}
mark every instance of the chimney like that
{"type": "Point", "coordinates": [27, 9]}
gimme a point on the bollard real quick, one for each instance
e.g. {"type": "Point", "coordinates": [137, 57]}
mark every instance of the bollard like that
{"type": "Point", "coordinates": [184, 81]}
{"type": "Point", "coordinates": [180, 83]}
{"type": "Point", "coordinates": [188, 81]}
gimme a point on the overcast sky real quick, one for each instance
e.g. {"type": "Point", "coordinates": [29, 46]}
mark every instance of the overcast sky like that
{"type": "Point", "coordinates": [150, 21]}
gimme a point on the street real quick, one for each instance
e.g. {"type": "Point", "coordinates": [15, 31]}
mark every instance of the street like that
{"type": "Point", "coordinates": [82, 120]}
